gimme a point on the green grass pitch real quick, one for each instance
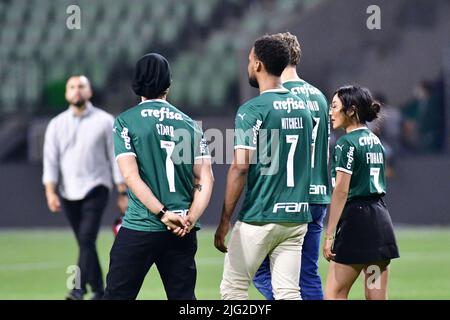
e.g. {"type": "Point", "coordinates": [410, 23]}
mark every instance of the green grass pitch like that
{"type": "Point", "coordinates": [33, 265]}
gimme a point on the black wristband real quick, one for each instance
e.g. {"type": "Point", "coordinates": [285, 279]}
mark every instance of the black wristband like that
{"type": "Point", "coordinates": [123, 193]}
{"type": "Point", "coordinates": [162, 212]}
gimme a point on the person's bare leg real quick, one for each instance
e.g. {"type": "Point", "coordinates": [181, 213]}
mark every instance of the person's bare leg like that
{"type": "Point", "coordinates": [340, 279]}
{"type": "Point", "coordinates": [376, 278]}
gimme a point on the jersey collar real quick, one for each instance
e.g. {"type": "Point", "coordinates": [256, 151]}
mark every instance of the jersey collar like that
{"type": "Point", "coordinates": [360, 128]}
{"type": "Point", "coordinates": [294, 80]}
{"type": "Point", "coordinates": [281, 90]}
{"type": "Point", "coordinates": [154, 100]}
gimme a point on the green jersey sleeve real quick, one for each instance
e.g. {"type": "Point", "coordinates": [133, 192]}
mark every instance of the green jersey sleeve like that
{"type": "Point", "coordinates": [345, 153]}
{"type": "Point", "coordinates": [247, 126]}
{"type": "Point", "coordinates": [123, 143]}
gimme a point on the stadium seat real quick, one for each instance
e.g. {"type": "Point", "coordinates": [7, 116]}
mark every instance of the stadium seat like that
{"type": "Point", "coordinates": [120, 34]}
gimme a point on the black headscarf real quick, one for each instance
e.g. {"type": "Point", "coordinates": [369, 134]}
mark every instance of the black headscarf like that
{"type": "Point", "coordinates": [152, 76]}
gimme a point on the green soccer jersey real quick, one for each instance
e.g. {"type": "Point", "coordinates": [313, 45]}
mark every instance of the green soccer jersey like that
{"type": "Point", "coordinates": [165, 142]}
{"type": "Point", "coordinates": [361, 154]}
{"type": "Point", "coordinates": [319, 191]}
{"type": "Point", "coordinates": [278, 126]}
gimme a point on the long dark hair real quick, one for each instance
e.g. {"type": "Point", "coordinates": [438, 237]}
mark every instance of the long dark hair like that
{"type": "Point", "coordinates": [360, 98]}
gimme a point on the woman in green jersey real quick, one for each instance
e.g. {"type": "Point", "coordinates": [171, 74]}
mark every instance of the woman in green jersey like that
{"type": "Point", "coordinates": [359, 235]}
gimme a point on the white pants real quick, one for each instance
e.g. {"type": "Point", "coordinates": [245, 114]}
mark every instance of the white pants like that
{"type": "Point", "coordinates": [248, 247]}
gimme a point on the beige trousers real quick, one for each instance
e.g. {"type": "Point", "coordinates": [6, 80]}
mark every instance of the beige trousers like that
{"type": "Point", "coordinates": [249, 245]}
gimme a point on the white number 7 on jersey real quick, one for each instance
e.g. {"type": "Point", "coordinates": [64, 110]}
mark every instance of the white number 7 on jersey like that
{"type": "Point", "coordinates": [170, 168]}
{"type": "Point", "coordinates": [314, 139]}
{"type": "Point", "coordinates": [292, 139]}
{"type": "Point", "coordinates": [375, 173]}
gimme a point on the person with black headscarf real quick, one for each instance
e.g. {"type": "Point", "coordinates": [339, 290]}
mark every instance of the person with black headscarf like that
{"type": "Point", "coordinates": [152, 76]}
{"type": "Point", "coordinates": [167, 193]}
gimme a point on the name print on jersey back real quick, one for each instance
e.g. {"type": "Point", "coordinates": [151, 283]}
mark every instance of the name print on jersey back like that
{"type": "Point", "coordinates": [277, 126]}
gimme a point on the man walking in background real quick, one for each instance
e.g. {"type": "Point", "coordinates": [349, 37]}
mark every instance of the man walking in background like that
{"type": "Point", "coordinates": [319, 191]}
{"type": "Point", "coordinates": [79, 171]}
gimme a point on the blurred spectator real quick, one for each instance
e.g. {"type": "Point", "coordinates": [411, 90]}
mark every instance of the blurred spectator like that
{"type": "Point", "coordinates": [79, 170]}
{"type": "Point", "coordinates": [422, 127]}
{"type": "Point", "coordinates": [412, 112]}
{"type": "Point", "coordinates": [433, 121]}
{"type": "Point", "coordinates": [387, 128]}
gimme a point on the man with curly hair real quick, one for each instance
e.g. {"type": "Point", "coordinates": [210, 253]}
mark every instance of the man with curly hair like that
{"type": "Point", "coordinates": [272, 160]}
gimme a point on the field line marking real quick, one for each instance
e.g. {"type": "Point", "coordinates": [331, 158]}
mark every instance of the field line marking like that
{"type": "Point", "coordinates": [27, 266]}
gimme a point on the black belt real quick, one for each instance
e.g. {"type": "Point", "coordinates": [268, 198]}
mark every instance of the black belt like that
{"type": "Point", "coordinates": [373, 198]}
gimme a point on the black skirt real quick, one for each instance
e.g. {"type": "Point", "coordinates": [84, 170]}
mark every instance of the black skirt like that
{"type": "Point", "coordinates": [364, 233]}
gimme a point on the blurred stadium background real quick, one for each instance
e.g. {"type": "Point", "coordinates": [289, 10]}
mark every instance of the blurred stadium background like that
{"type": "Point", "coordinates": [406, 64]}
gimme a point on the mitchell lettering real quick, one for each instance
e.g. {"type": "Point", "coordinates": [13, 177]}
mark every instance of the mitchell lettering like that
{"type": "Point", "coordinates": [292, 123]}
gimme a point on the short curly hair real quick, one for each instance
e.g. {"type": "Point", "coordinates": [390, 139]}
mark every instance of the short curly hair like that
{"type": "Point", "coordinates": [273, 53]}
{"type": "Point", "coordinates": [291, 41]}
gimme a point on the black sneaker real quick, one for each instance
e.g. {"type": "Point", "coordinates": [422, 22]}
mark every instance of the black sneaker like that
{"type": "Point", "coordinates": [75, 295]}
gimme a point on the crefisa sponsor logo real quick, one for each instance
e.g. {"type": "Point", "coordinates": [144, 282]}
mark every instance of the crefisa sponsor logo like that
{"type": "Point", "coordinates": [161, 114]}
{"type": "Point", "coordinates": [289, 104]}
{"type": "Point", "coordinates": [350, 152]}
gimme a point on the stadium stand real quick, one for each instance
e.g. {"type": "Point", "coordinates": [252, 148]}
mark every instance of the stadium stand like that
{"type": "Point", "coordinates": [207, 43]}
{"type": "Point", "coordinates": [200, 37]}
